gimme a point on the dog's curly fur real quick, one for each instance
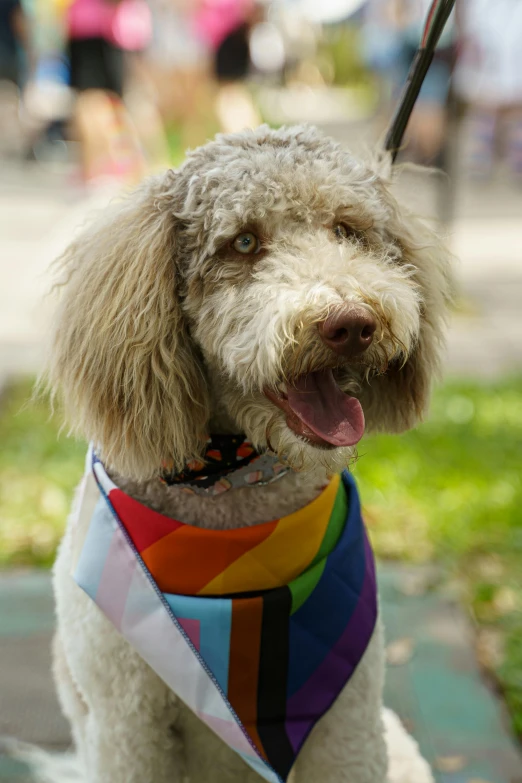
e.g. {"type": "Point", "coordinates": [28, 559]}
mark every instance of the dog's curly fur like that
{"type": "Point", "coordinates": [165, 333]}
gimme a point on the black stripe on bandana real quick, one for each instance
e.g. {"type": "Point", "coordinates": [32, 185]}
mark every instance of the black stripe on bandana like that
{"type": "Point", "coordinates": [273, 676]}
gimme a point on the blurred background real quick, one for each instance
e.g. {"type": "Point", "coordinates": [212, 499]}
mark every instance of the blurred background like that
{"type": "Point", "coordinates": [94, 94]}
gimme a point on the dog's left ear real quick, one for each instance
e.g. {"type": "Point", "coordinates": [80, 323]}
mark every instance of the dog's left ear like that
{"type": "Point", "coordinates": [398, 399]}
{"type": "Point", "coordinates": [122, 358]}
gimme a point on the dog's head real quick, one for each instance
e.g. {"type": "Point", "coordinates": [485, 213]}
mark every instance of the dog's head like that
{"type": "Point", "coordinates": [272, 285]}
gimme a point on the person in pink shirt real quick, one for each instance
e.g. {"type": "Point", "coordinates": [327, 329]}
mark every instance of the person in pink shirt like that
{"type": "Point", "coordinates": [226, 25]}
{"type": "Point", "coordinates": [215, 19]}
{"type": "Point", "coordinates": [99, 35]}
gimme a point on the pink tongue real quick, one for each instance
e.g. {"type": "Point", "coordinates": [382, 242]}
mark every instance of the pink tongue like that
{"type": "Point", "coordinates": [326, 410]}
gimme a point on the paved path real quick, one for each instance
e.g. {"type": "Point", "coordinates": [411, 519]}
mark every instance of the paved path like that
{"type": "Point", "coordinates": [40, 212]}
{"type": "Point", "coordinates": [436, 687]}
{"type": "Point", "coordinates": [433, 682]}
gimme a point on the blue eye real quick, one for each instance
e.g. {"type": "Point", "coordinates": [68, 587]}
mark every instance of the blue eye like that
{"type": "Point", "coordinates": [246, 244]}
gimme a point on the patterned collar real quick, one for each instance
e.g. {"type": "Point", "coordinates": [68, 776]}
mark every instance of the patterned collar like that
{"type": "Point", "coordinates": [229, 461]}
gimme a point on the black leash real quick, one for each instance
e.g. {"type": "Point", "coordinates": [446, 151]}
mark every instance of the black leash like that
{"type": "Point", "coordinates": [435, 23]}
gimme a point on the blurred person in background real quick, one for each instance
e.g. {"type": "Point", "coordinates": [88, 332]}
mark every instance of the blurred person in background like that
{"type": "Point", "coordinates": [381, 49]}
{"type": "Point", "coordinates": [488, 80]}
{"type": "Point", "coordinates": [15, 63]}
{"type": "Point", "coordinates": [178, 66]}
{"type": "Point", "coordinates": [15, 41]}
{"type": "Point", "coordinates": [226, 26]}
{"type": "Point", "coordinates": [100, 33]}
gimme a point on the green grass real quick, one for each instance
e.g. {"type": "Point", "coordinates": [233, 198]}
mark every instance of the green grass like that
{"type": "Point", "coordinates": [38, 473]}
{"type": "Point", "coordinates": [452, 488]}
{"type": "Point", "coordinates": [450, 491]}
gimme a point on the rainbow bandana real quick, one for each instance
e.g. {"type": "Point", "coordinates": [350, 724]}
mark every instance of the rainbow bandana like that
{"type": "Point", "coordinates": [256, 629]}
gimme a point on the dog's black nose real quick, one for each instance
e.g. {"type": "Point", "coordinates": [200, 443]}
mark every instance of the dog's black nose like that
{"type": "Point", "coordinates": [349, 331]}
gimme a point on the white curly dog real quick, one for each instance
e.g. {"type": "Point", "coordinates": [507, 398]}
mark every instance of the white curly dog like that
{"type": "Point", "coordinates": [204, 303]}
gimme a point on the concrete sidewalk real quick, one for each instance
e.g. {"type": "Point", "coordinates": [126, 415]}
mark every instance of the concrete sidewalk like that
{"type": "Point", "coordinates": [40, 212]}
{"type": "Point", "coordinates": [433, 682]}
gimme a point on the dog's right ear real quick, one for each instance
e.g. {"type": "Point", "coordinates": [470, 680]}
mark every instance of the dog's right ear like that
{"type": "Point", "coordinates": [122, 359]}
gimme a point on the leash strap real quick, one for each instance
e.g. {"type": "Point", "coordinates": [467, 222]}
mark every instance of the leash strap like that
{"type": "Point", "coordinates": [435, 23]}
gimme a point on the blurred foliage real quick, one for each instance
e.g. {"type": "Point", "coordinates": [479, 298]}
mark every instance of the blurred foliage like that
{"type": "Point", "coordinates": [175, 145]}
{"type": "Point", "coordinates": [339, 56]}
{"type": "Point", "coordinates": [509, 673]}
{"type": "Point", "coordinates": [449, 491]}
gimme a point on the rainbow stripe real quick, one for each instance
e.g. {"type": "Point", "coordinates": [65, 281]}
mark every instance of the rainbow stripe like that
{"type": "Point", "coordinates": [256, 629]}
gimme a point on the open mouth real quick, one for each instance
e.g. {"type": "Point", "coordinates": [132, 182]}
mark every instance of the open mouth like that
{"type": "Point", "coordinates": [317, 410]}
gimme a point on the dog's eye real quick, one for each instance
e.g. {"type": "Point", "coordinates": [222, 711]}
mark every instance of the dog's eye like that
{"type": "Point", "coordinates": [246, 243]}
{"type": "Point", "coordinates": [342, 231]}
